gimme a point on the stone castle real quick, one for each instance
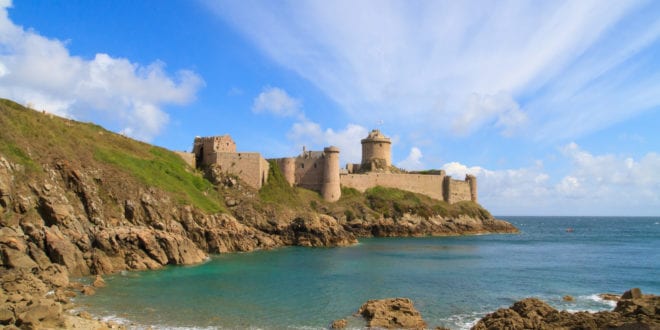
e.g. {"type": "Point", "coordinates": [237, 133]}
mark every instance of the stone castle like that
{"type": "Point", "coordinates": [320, 171]}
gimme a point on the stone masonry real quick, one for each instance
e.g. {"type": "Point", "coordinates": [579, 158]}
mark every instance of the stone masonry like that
{"type": "Point", "coordinates": [319, 170]}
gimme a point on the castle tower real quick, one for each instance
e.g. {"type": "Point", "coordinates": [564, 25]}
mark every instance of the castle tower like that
{"type": "Point", "coordinates": [472, 180]}
{"type": "Point", "coordinates": [205, 148]}
{"type": "Point", "coordinates": [288, 168]}
{"type": "Point", "coordinates": [330, 189]}
{"type": "Point", "coordinates": [376, 151]}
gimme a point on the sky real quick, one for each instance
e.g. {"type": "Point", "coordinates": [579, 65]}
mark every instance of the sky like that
{"type": "Point", "coordinates": [553, 105]}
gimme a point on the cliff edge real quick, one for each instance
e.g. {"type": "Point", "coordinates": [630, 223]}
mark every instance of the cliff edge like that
{"type": "Point", "coordinates": [76, 199]}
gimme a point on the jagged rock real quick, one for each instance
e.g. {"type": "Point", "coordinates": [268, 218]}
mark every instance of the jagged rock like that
{"type": "Point", "coordinates": [62, 251]}
{"type": "Point", "coordinates": [6, 316]}
{"type": "Point", "coordinates": [143, 248]}
{"type": "Point", "coordinates": [339, 324]}
{"type": "Point", "coordinates": [17, 259]}
{"type": "Point", "coordinates": [531, 313]}
{"type": "Point", "coordinates": [88, 290]}
{"type": "Point", "coordinates": [45, 311]}
{"type": "Point", "coordinates": [633, 293]}
{"type": "Point", "coordinates": [55, 275]}
{"type": "Point", "coordinates": [609, 296]}
{"type": "Point", "coordinates": [319, 230]}
{"type": "Point", "coordinates": [98, 282]}
{"type": "Point", "coordinates": [567, 298]}
{"type": "Point", "coordinates": [392, 313]}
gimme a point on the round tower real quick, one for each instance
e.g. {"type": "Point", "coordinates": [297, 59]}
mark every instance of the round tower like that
{"type": "Point", "coordinates": [472, 180]}
{"type": "Point", "coordinates": [330, 190]}
{"type": "Point", "coordinates": [376, 150]}
{"type": "Point", "coordinates": [288, 168]}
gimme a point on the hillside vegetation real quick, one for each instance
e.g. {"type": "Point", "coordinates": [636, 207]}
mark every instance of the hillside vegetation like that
{"type": "Point", "coordinates": [32, 138]}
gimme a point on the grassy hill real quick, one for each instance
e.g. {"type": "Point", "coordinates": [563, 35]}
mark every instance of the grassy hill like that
{"type": "Point", "coordinates": [34, 139]}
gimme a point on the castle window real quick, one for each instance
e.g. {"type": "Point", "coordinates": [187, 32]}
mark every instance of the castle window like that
{"type": "Point", "coordinates": [302, 165]}
{"type": "Point", "coordinates": [314, 165]}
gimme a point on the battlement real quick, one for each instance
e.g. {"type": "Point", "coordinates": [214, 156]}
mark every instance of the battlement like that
{"type": "Point", "coordinates": [319, 170]}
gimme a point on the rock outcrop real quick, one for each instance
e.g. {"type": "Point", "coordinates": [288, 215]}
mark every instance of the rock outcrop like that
{"type": "Point", "coordinates": [392, 313]}
{"type": "Point", "coordinates": [633, 311]}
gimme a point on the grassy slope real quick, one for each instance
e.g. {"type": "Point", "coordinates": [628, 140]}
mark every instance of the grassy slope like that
{"type": "Point", "coordinates": [31, 138]}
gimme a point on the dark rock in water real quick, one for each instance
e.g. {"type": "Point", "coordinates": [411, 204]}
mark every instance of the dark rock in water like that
{"type": "Point", "coordinates": [630, 313]}
{"type": "Point", "coordinates": [392, 313]}
{"type": "Point", "coordinates": [98, 282]}
{"type": "Point", "coordinates": [633, 293]}
{"type": "Point", "coordinates": [609, 296]}
{"type": "Point", "coordinates": [567, 298]}
{"type": "Point", "coordinates": [339, 324]}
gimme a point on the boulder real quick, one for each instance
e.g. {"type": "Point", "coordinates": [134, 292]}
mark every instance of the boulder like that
{"type": "Point", "coordinates": [99, 282]}
{"type": "Point", "coordinates": [531, 313]}
{"type": "Point", "coordinates": [88, 290]}
{"type": "Point", "coordinates": [45, 311]}
{"type": "Point", "coordinates": [339, 324]}
{"type": "Point", "coordinates": [633, 293]}
{"type": "Point", "coordinates": [17, 259]}
{"type": "Point", "coordinates": [63, 252]}
{"type": "Point", "coordinates": [6, 316]}
{"type": "Point", "coordinates": [392, 313]}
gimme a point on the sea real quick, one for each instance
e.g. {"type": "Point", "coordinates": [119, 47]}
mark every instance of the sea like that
{"type": "Point", "coordinates": [453, 281]}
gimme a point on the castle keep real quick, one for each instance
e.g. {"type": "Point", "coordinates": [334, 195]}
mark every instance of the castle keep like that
{"type": "Point", "coordinates": [319, 170]}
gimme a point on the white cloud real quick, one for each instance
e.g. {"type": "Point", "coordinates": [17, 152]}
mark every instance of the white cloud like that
{"type": "Point", "coordinates": [515, 67]}
{"type": "Point", "coordinates": [40, 71]}
{"type": "Point", "coordinates": [595, 184]}
{"type": "Point", "coordinates": [311, 135]}
{"type": "Point", "coordinates": [413, 161]}
{"type": "Point", "coordinates": [276, 101]}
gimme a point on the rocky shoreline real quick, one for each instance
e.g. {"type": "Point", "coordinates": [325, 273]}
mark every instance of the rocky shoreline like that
{"type": "Point", "coordinates": [78, 220]}
{"type": "Point", "coordinates": [634, 310]}
{"type": "Point", "coordinates": [77, 200]}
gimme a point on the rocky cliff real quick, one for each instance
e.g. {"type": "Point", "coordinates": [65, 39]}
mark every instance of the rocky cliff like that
{"type": "Point", "coordinates": [76, 200]}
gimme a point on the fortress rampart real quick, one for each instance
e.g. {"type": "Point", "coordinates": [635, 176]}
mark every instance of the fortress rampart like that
{"type": "Point", "coordinates": [430, 185]}
{"type": "Point", "coordinates": [319, 170]}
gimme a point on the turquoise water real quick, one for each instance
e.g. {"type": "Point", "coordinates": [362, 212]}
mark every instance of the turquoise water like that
{"type": "Point", "coordinates": [452, 280]}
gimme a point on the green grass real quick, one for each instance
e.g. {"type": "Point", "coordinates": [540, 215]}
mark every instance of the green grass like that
{"type": "Point", "coordinates": [35, 139]}
{"type": "Point", "coordinates": [278, 192]}
{"type": "Point", "coordinates": [165, 170]}
{"type": "Point", "coordinates": [394, 203]}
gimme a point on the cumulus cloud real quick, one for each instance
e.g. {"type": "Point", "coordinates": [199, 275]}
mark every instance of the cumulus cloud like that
{"type": "Point", "coordinates": [609, 184]}
{"type": "Point", "coordinates": [278, 102]}
{"type": "Point", "coordinates": [413, 161]}
{"type": "Point", "coordinates": [512, 67]}
{"type": "Point", "coordinates": [40, 71]}
{"type": "Point", "coordinates": [311, 135]}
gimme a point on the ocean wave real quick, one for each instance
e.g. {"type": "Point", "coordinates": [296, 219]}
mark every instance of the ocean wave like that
{"type": "Point", "coordinates": [463, 321]}
{"type": "Point", "coordinates": [600, 300]}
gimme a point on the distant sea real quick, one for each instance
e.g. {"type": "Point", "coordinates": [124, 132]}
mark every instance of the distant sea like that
{"type": "Point", "coordinates": [453, 281]}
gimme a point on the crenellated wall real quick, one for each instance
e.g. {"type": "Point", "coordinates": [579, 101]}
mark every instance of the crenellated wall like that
{"type": "Point", "coordinates": [430, 185]}
{"type": "Point", "coordinates": [319, 170]}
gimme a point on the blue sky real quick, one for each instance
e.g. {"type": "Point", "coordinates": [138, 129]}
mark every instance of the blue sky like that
{"type": "Point", "coordinates": [555, 106]}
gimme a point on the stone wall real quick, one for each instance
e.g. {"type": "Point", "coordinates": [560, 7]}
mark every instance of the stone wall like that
{"type": "Point", "coordinates": [249, 166]}
{"type": "Point", "coordinates": [309, 173]}
{"type": "Point", "coordinates": [430, 185]}
{"type": "Point", "coordinates": [205, 148]}
{"type": "Point", "coordinates": [456, 190]}
{"type": "Point", "coordinates": [187, 157]}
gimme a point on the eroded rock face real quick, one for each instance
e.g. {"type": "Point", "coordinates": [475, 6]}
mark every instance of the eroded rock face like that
{"type": "Point", "coordinates": [633, 311]}
{"type": "Point", "coordinates": [392, 313]}
{"type": "Point", "coordinates": [317, 230]}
